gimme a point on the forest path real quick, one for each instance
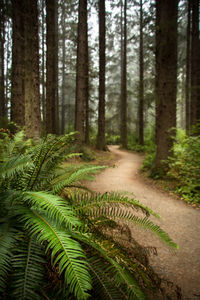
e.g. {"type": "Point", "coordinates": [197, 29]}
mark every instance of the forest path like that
{"type": "Point", "coordinates": [179, 220]}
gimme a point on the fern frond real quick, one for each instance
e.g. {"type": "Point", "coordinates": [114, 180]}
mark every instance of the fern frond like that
{"type": "Point", "coordinates": [14, 165]}
{"type": "Point", "coordinates": [104, 285]}
{"type": "Point", "coordinates": [75, 177]}
{"type": "Point", "coordinates": [121, 274]}
{"type": "Point", "coordinates": [65, 251]}
{"type": "Point", "coordinates": [86, 202]}
{"type": "Point", "coordinates": [117, 213]}
{"type": "Point", "coordinates": [7, 241]}
{"type": "Point", "coordinates": [54, 206]}
{"type": "Point", "coordinates": [28, 263]}
{"type": "Point", "coordinates": [99, 205]}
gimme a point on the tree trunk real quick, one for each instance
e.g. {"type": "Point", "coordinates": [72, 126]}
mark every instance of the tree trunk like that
{"type": "Point", "coordinates": [188, 69]}
{"type": "Point", "coordinates": [166, 77]}
{"type": "Point", "coordinates": [18, 96]}
{"type": "Point", "coordinates": [56, 71]}
{"type": "Point", "coordinates": [43, 80]}
{"type": "Point", "coordinates": [194, 62]}
{"type": "Point", "coordinates": [32, 96]}
{"type": "Point", "coordinates": [101, 143]}
{"type": "Point", "coordinates": [3, 112]}
{"type": "Point", "coordinates": [123, 83]}
{"type": "Point", "coordinates": [63, 72]}
{"type": "Point", "coordinates": [52, 68]}
{"type": "Point", "coordinates": [87, 106]}
{"type": "Point", "coordinates": [82, 71]}
{"type": "Point", "coordinates": [141, 83]}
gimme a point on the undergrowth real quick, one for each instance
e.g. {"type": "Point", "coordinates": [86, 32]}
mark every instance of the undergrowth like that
{"type": "Point", "coordinates": [183, 176]}
{"type": "Point", "coordinates": [184, 167]}
{"type": "Point", "coordinates": [53, 231]}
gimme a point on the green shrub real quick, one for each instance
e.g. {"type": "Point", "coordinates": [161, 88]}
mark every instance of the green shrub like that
{"type": "Point", "coordinates": [87, 154]}
{"type": "Point", "coordinates": [113, 139]}
{"type": "Point", "coordinates": [185, 166]}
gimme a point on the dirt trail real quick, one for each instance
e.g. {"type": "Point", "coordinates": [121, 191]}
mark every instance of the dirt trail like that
{"type": "Point", "coordinates": [179, 220]}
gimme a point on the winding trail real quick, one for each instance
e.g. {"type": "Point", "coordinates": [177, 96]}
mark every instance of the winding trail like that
{"type": "Point", "coordinates": [179, 220]}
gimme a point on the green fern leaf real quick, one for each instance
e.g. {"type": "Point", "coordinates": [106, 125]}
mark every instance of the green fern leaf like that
{"type": "Point", "coordinates": [65, 251]}
{"type": "Point", "coordinates": [54, 206]}
{"type": "Point", "coordinates": [14, 165]}
{"type": "Point", "coordinates": [7, 241]}
{"type": "Point", "coordinates": [121, 274]}
{"type": "Point", "coordinates": [28, 263]}
{"type": "Point", "coordinates": [98, 205]}
{"type": "Point", "coordinates": [75, 177]}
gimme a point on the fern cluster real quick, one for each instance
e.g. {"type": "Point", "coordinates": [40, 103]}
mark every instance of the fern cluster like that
{"type": "Point", "coordinates": [49, 230]}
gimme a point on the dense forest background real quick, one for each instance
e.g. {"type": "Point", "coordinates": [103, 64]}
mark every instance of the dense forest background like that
{"type": "Point", "coordinates": [124, 72]}
{"type": "Point", "coordinates": [76, 76]}
{"type": "Point", "coordinates": [135, 75]}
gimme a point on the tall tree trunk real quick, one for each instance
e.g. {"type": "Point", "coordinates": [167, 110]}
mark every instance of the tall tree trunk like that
{"type": "Point", "coordinates": [43, 80]}
{"type": "Point", "coordinates": [57, 127]}
{"type": "Point", "coordinates": [101, 143]}
{"type": "Point", "coordinates": [82, 71]}
{"type": "Point", "coordinates": [18, 96]}
{"type": "Point", "coordinates": [3, 112]}
{"type": "Point", "coordinates": [123, 82]}
{"type": "Point", "coordinates": [52, 68]}
{"type": "Point", "coordinates": [194, 62]}
{"type": "Point", "coordinates": [188, 68]}
{"type": "Point", "coordinates": [32, 96]}
{"type": "Point", "coordinates": [63, 105]}
{"type": "Point", "coordinates": [141, 83]}
{"type": "Point", "coordinates": [87, 106]}
{"type": "Point", "coordinates": [166, 77]}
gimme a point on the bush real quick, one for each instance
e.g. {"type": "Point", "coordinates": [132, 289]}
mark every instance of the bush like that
{"type": "Point", "coordinates": [185, 166]}
{"type": "Point", "coordinates": [113, 139]}
{"type": "Point", "coordinates": [87, 154]}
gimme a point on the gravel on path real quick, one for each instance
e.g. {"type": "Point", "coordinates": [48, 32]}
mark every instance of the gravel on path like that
{"type": "Point", "coordinates": [179, 220]}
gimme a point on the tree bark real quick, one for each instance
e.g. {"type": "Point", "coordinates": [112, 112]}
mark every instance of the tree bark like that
{"type": "Point", "coordinates": [166, 77]}
{"type": "Point", "coordinates": [43, 79]}
{"type": "Point", "coordinates": [18, 93]}
{"type": "Point", "coordinates": [141, 82]}
{"type": "Point", "coordinates": [195, 72]}
{"type": "Point", "coordinates": [82, 71]}
{"type": "Point", "coordinates": [52, 68]}
{"type": "Point", "coordinates": [87, 106]}
{"type": "Point", "coordinates": [123, 82]}
{"type": "Point", "coordinates": [63, 106]}
{"type": "Point", "coordinates": [188, 69]}
{"type": "Point", "coordinates": [32, 96]}
{"type": "Point", "coordinates": [101, 143]}
{"type": "Point", "coordinates": [3, 112]}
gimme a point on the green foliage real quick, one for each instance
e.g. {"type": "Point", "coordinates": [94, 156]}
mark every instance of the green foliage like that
{"type": "Point", "coordinates": [87, 154]}
{"type": "Point", "coordinates": [113, 139]}
{"type": "Point", "coordinates": [185, 166]}
{"type": "Point", "coordinates": [41, 231]}
{"type": "Point", "coordinates": [11, 127]}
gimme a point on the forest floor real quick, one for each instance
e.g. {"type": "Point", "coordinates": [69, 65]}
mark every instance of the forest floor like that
{"type": "Point", "coordinates": [178, 219]}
